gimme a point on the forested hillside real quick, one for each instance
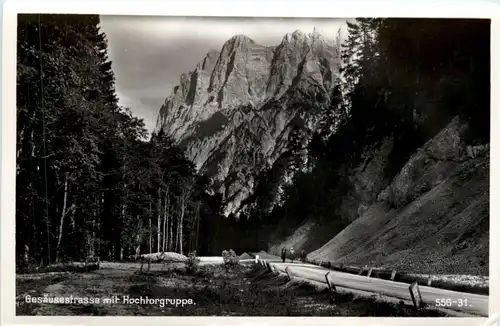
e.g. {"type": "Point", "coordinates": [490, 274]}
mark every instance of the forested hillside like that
{"type": "Point", "coordinates": [88, 181]}
{"type": "Point", "coordinates": [409, 79]}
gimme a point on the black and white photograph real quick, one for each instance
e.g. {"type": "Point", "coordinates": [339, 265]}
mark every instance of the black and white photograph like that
{"type": "Point", "coordinates": [258, 167]}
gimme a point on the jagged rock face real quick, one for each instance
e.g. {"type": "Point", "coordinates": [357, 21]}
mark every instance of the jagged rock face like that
{"type": "Point", "coordinates": [431, 216]}
{"type": "Point", "coordinates": [234, 111]}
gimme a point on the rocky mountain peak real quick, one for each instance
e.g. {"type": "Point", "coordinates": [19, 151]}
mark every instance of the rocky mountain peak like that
{"type": "Point", "coordinates": [295, 37]}
{"type": "Point", "coordinates": [240, 39]}
{"type": "Point", "coordinates": [234, 111]}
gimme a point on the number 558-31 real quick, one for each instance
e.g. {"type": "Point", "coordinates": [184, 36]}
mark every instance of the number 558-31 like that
{"type": "Point", "coordinates": [443, 303]}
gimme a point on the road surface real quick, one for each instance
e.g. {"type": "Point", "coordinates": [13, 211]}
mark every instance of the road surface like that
{"type": "Point", "coordinates": [460, 301]}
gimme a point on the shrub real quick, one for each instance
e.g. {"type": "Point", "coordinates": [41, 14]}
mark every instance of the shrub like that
{"type": "Point", "coordinates": [230, 259]}
{"type": "Point", "coordinates": [192, 263]}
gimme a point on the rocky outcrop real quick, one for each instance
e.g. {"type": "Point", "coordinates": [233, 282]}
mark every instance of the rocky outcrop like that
{"type": "Point", "coordinates": [437, 160]}
{"type": "Point", "coordinates": [234, 111]}
{"type": "Point", "coordinates": [432, 216]}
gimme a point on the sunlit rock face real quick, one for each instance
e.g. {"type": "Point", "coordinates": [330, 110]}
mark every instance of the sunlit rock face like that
{"type": "Point", "coordinates": [233, 112]}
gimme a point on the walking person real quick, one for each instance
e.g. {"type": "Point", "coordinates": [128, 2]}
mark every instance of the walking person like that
{"type": "Point", "coordinates": [292, 252]}
{"type": "Point", "coordinates": [283, 254]}
{"type": "Point", "coordinates": [303, 256]}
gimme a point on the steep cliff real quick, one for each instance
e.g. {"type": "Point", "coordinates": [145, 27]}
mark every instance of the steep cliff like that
{"type": "Point", "coordinates": [233, 113]}
{"type": "Point", "coordinates": [433, 216]}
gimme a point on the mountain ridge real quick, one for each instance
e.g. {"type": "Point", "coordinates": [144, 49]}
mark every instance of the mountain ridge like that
{"type": "Point", "coordinates": [234, 111]}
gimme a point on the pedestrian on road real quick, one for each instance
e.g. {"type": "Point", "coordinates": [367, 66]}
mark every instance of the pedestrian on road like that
{"type": "Point", "coordinates": [283, 254]}
{"type": "Point", "coordinates": [292, 252]}
{"type": "Point", "coordinates": [303, 256]}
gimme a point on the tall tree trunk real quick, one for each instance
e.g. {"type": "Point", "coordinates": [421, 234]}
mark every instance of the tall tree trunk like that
{"type": "Point", "coordinates": [183, 207]}
{"type": "Point", "coordinates": [150, 229]}
{"type": "Point", "coordinates": [167, 225]}
{"type": "Point", "coordinates": [164, 230]}
{"type": "Point", "coordinates": [150, 237]}
{"type": "Point", "coordinates": [63, 213]}
{"type": "Point", "coordinates": [171, 233]}
{"type": "Point", "coordinates": [177, 231]}
{"type": "Point", "coordinates": [159, 220]}
{"type": "Point", "coordinates": [197, 226]}
{"type": "Point", "coordinates": [121, 244]}
{"type": "Point", "coordinates": [20, 144]}
{"type": "Point", "coordinates": [93, 235]}
{"type": "Point", "coordinates": [138, 243]}
{"type": "Point", "coordinates": [165, 221]}
{"type": "Point", "coordinates": [99, 225]}
{"type": "Point", "coordinates": [20, 141]}
{"type": "Point", "coordinates": [26, 253]}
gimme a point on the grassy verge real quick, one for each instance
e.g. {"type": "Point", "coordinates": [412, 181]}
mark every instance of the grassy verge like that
{"type": "Point", "coordinates": [62, 267]}
{"type": "Point", "coordinates": [35, 288]}
{"type": "Point", "coordinates": [445, 285]}
{"type": "Point", "coordinates": [253, 291]}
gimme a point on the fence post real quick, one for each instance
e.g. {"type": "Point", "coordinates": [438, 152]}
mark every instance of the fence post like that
{"type": "Point", "coordinates": [332, 288]}
{"type": "Point", "coordinates": [393, 275]}
{"type": "Point", "coordinates": [416, 297]}
{"type": "Point", "coordinates": [256, 258]}
{"type": "Point", "coordinates": [288, 273]}
{"type": "Point", "coordinates": [369, 272]}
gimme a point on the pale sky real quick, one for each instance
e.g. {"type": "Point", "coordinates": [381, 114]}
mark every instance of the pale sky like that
{"type": "Point", "coordinates": [150, 53]}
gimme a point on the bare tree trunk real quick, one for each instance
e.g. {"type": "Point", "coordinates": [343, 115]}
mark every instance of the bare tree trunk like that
{"type": "Point", "coordinates": [73, 223]}
{"type": "Point", "coordinates": [171, 234]}
{"type": "Point", "coordinates": [138, 244]}
{"type": "Point", "coordinates": [95, 227]}
{"type": "Point", "coordinates": [21, 140]}
{"type": "Point", "coordinates": [93, 236]}
{"type": "Point", "coordinates": [150, 237]}
{"type": "Point", "coordinates": [177, 232]}
{"type": "Point", "coordinates": [183, 207]}
{"type": "Point", "coordinates": [197, 226]}
{"type": "Point", "coordinates": [121, 245]}
{"type": "Point", "coordinates": [19, 145]}
{"type": "Point", "coordinates": [167, 226]}
{"type": "Point", "coordinates": [165, 202]}
{"type": "Point", "coordinates": [164, 230]}
{"type": "Point", "coordinates": [150, 229]}
{"type": "Point", "coordinates": [101, 210]}
{"type": "Point", "coordinates": [63, 213]}
{"type": "Point", "coordinates": [159, 219]}
{"type": "Point", "coordinates": [26, 253]}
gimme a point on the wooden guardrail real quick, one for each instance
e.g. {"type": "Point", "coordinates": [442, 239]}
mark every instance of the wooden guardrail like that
{"type": "Point", "coordinates": [420, 296]}
{"type": "Point", "coordinates": [401, 276]}
{"type": "Point", "coordinates": [369, 271]}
